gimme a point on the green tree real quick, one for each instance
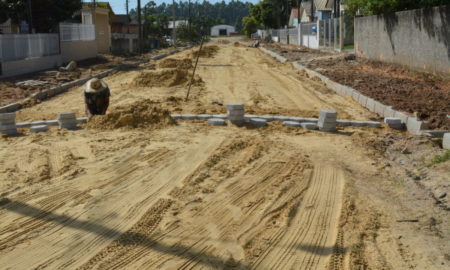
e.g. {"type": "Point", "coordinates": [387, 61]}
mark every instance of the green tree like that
{"type": "Point", "coordinates": [273, 13]}
{"type": "Point", "coordinates": [157, 25]}
{"type": "Point", "coordinates": [188, 33]}
{"type": "Point", "coordinates": [378, 7]}
{"type": "Point", "coordinates": [250, 25]}
{"type": "Point", "coordinates": [46, 14]}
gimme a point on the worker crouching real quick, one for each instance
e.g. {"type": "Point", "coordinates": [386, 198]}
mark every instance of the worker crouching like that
{"type": "Point", "coordinates": [96, 97]}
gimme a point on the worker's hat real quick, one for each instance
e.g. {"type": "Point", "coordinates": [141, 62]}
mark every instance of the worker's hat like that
{"type": "Point", "coordinates": [95, 85]}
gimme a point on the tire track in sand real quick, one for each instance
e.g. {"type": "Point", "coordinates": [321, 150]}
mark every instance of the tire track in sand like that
{"type": "Point", "coordinates": [309, 240]}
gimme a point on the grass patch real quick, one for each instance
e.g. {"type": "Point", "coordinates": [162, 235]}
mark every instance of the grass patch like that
{"type": "Point", "coordinates": [349, 47]}
{"type": "Point", "coordinates": [440, 158]}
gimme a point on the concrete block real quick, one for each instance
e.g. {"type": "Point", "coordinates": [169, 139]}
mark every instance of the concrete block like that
{"type": "Point", "coordinates": [388, 111]}
{"type": "Point", "coordinates": [348, 91]}
{"type": "Point", "coordinates": [404, 117]}
{"type": "Point", "coordinates": [204, 116]}
{"type": "Point", "coordinates": [13, 107]}
{"type": "Point", "coordinates": [362, 99]}
{"type": "Point", "coordinates": [55, 122]}
{"type": "Point", "coordinates": [370, 104]}
{"type": "Point", "coordinates": [189, 116]}
{"type": "Point", "coordinates": [355, 95]}
{"type": "Point", "coordinates": [238, 123]}
{"type": "Point", "coordinates": [310, 126]}
{"type": "Point", "coordinates": [446, 141]}
{"type": "Point", "coordinates": [220, 116]}
{"type": "Point", "coordinates": [292, 124]}
{"type": "Point", "coordinates": [61, 116]}
{"type": "Point", "coordinates": [235, 106]}
{"type": "Point", "coordinates": [236, 113]}
{"type": "Point", "coordinates": [392, 121]}
{"type": "Point", "coordinates": [39, 123]}
{"type": "Point", "coordinates": [281, 118]}
{"type": "Point", "coordinates": [39, 95]}
{"type": "Point", "coordinates": [436, 133]}
{"type": "Point", "coordinates": [267, 117]}
{"type": "Point", "coordinates": [415, 126]}
{"type": "Point", "coordinates": [9, 132]}
{"type": "Point", "coordinates": [40, 128]}
{"type": "Point", "coordinates": [7, 116]}
{"type": "Point", "coordinates": [4, 127]}
{"type": "Point", "coordinates": [327, 116]}
{"type": "Point", "coordinates": [379, 108]}
{"type": "Point", "coordinates": [217, 122]}
{"type": "Point", "coordinates": [343, 123]}
{"type": "Point", "coordinates": [23, 125]}
{"type": "Point", "coordinates": [258, 122]}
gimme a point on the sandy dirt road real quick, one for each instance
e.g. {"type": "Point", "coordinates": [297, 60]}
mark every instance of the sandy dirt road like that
{"type": "Point", "coordinates": [193, 196]}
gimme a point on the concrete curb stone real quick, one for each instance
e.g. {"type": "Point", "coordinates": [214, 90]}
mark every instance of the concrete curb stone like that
{"type": "Point", "coordinates": [292, 124]}
{"type": "Point", "coordinates": [40, 128]}
{"type": "Point", "coordinates": [446, 141]}
{"type": "Point", "coordinates": [217, 122]}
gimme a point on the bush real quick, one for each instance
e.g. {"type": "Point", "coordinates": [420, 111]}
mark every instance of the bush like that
{"type": "Point", "coordinates": [188, 33]}
{"type": "Point", "coordinates": [250, 25]}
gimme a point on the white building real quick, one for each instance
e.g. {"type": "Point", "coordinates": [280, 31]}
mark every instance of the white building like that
{"type": "Point", "coordinates": [222, 30]}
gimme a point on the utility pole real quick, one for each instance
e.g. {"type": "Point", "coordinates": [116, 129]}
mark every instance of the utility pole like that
{"type": "Point", "coordinates": [189, 13]}
{"type": "Point", "coordinates": [30, 18]}
{"type": "Point", "coordinates": [312, 11]}
{"type": "Point", "coordinates": [173, 15]}
{"type": "Point", "coordinates": [127, 7]}
{"type": "Point", "coordinates": [140, 26]}
{"type": "Point", "coordinates": [298, 12]}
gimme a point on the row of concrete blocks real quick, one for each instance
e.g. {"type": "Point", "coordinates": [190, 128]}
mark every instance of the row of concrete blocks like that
{"type": "Point", "coordinates": [270, 118]}
{"type": "Point", "coordinates": [274, 55]}
{"type": "Point", "coordinates": [412, 124]}
{"type": "Point", "coordinates": [8, 125]}
{"type": "Point", "coordinates": [48, 93]}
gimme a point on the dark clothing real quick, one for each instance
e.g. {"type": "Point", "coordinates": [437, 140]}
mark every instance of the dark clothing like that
{"type": "Point", "coordinates": [97, 103]}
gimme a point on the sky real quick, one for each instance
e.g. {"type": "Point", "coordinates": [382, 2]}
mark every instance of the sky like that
{"type": "Point", "coordinates": [119, 5]}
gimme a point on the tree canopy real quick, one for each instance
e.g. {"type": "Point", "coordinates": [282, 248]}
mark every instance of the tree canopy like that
{"type": "Point", "coordinates": [46, 14]}
{"type": "Point", "coordinates": [204, 13]}
{"type": "Point", "coordinates": [378, 7]}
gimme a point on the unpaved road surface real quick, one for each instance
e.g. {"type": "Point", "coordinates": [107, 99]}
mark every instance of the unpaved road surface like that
{"type": "Point", "coordinates": [193, 196]}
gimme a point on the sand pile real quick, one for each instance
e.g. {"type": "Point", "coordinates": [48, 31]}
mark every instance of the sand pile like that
{"type": "Point", "coordinates": [141, 114]}
{"type": "Point", "coordinates": [163, 77]}
{"type": "Point", "coordinates": [223, 41]}
{"type": "Point", "coordinates": [207, 51]}
{"type": "Point", "coordinates": [175, 63]}
{"type": "Point", "coordinates": [237, 44]}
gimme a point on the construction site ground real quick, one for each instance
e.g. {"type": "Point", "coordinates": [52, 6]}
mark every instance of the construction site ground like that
{"type": "Point", "coordinates": [423, 94]}
{"type": "Point", "coordinates": [131, 192]}
{"type": "Point", "coordinates": [18, 88]}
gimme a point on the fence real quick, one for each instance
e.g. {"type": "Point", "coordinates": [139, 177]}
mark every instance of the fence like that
{"type": "Point", "coordinates": [76, 32]}
{"type": "Point", "coordinates": [329, 34]}
{"type": "Point", "coordinates": [17, 47]}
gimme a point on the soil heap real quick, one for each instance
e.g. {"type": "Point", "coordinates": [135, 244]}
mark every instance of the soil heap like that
{"type": "Point", "coordinates": [141, 114]}
{"type": "Point", "coordinates": [185, 63]}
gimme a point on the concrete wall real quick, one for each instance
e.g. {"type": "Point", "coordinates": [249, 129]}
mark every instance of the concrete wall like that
{"type": "Point", "coordinates": [78, 50]}
{"type": "Point", "coordinates": [419, 39]}
{"type": "Point", "coordinates": [14, 68]}
{"type": "Point", "coordinates": [103, 33]}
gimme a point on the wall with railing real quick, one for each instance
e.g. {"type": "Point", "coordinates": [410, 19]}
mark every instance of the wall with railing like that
{"type": "Point", "coordinates": [76, 32]}
{"type": "Point", "coordinates": [17, 47]}
{"type": "Point", "coordinates": [326, 34]}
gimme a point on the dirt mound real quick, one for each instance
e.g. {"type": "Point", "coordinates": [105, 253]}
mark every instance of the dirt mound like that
{"type": "Point", "coordinates": [237, 44]}
{"type": "Point", "coordinates": [223, 41]}
{"type": "Point", "coordinates": [164, 77]}
{"type": "Point", "coordinates": [207, 51]}
{"type": "Point", "coordinates": [142, 114]}
{"type": "Point", "coordinates": [175, 63]}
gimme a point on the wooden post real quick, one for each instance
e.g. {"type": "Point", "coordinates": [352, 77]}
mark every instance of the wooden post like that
{"type": "Point", "coordinates": [195, 68]}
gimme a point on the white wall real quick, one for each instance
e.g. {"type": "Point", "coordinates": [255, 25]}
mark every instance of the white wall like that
{"type": "Point", "coordinates": [24, 66]}
{"type": "Point", "coordinates": [78, 50]}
